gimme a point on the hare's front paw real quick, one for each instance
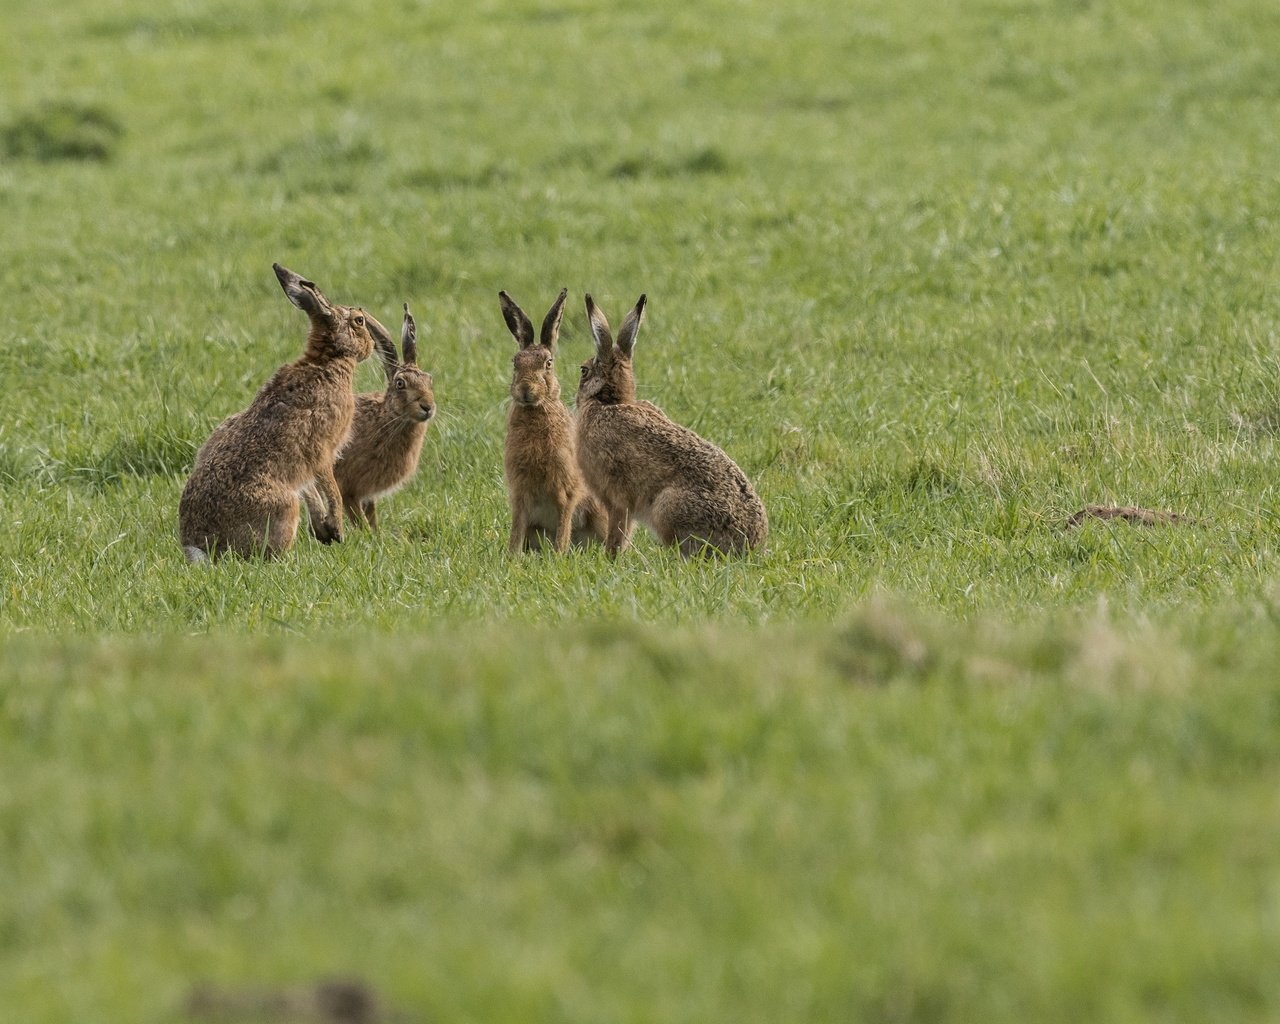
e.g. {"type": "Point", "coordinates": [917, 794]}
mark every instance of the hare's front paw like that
{"type": "Point", "coordinates": [328, 533]}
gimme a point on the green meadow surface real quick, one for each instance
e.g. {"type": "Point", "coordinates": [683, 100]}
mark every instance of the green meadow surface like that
{"type": "Point", "coordinates": [937, 275]}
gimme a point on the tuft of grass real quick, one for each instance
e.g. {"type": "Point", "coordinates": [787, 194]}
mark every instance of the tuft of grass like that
{"type": "Point", "coordinates": [63, 130]}
{"type": "Point", "coordinates": [709, 160]}
{"type": "Point", "coordinates": [1069, 806]}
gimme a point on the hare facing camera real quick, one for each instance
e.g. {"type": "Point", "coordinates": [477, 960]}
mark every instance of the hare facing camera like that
{"type": "Point", "coordinates": [242, 495]}
{"type": "Point", "coordinates": [647, 468]}
{"type": "Point", "coordinates": [549, 502]}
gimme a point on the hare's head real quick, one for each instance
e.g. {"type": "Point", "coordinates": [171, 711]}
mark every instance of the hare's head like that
{"type": "Point", "coordinates": [336, 331]}
{"type": "Point", "coordinates": [533, 376]}
{"type": "Point", "coordinates": [409, 392]}
{"type": "Point", "coordinates": [608, 378]}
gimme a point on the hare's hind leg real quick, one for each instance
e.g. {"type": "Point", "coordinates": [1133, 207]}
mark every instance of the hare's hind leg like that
{"type": "Point", "coordinates": [282, 529]}
{"type": "Point", "coordinates": [564, 525]}
{"type": "Point", "coordinates": [677, 524]}
{"type": "Point", "coordinates": [519, 531]}
{"type": "Point", "coordinates": [618, 535]}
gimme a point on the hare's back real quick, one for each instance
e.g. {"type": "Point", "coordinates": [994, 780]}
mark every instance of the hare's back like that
{"type": "Point", "coordinates": [669, 447]}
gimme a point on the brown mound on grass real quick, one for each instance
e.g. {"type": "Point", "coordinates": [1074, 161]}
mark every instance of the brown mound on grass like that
{"type": "Point", "coordinates": [333, 1001]}
{"type": "Point", "coordinates": [1129, 513]}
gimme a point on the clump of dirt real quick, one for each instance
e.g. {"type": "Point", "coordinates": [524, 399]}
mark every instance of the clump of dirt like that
{"type": "Point", "coordinates": [62, 131]}
{"type": "Point", "coordinates": [330, 1001]}
{"type": "Point", "coordinates": [1128, 513]}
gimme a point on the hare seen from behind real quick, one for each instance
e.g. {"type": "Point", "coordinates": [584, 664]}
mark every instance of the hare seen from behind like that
{"type": "Point", "coordinates": [242, 495]}
{"type": "Point", "coordinates": [389, 426]}
{"type": "Point", "coordinates": [544, 485]}
{"type": "Point", "coordinates": [645, 467]}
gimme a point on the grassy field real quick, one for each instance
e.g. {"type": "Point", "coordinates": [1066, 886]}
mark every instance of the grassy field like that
{"type": "Point", "coordinates": [936, 275]}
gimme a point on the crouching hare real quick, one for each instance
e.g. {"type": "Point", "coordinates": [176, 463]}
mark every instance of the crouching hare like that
{"type": "Point", "coordinates": [242, 495]}
{"type": "Point", "coordinates": [645, 467]}
{"type": "Point", "coordinates": [548, 498]}
{"type": "Point", "coordinates": [386, 436]}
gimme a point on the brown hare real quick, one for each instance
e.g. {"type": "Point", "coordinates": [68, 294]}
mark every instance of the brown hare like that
{"type": "Point", "coordinates": [382, 452]}
{"type": "Point", "coordinates": [647, 468]}
{"type": "Point", "coordinates": [242, 495]}
{"type": "Point", "coordinates": [545, 488]}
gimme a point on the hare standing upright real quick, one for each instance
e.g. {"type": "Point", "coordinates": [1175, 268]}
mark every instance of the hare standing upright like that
{"type": "Point", "coordinates": [386, 435]}
{"type": "Point", "coordinates": [548, 498]}
{"type": "Point", "coordinates": [242, 495]}
{"type": "Point", "coordinates": [645, 467]}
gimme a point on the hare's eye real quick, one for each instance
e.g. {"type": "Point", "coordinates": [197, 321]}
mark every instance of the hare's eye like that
{"type": "Point", "coordinates": [585, 370]}
{"type": "Point", "coordinates": [359, 321]}
{"type": "Point", "coordinates": [399, 383]}
{"type": "Point", "coordinates": [549, 364]}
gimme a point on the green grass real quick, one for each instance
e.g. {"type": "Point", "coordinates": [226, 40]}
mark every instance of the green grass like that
{"type": "Point", "coordinates": [936, 275]}
{"type": "Point", "coordinates": [892, 820]}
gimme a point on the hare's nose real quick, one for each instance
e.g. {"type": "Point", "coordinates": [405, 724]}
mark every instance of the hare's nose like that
{"type": "Point", "coordinates": [427, 410]}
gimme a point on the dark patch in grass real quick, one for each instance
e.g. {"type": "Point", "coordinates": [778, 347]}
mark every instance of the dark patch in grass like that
{"type": "Point", "coordinates": [586, 157]}
{"type": "Point", "coordinates": [221, 23]}
{"type": "Point", "coordinates": [552, 15]}
{"type": "Point", "coordinates": [906, 1002]}
{"type": "Point", "coordinates": [928, 476]}
{"type": "Point", "coordinates": [703, 161]}
{"type": "Point", "coordinates": [63, 130]}
{"type": "Point", "coordinates": [1128, 514]}
{"type": "Point", "coordinates": [822, 104]}
{"type": "Point", "coordinates": [441, 178]}
{"type": "Point", "coordinates": [330, 1001]}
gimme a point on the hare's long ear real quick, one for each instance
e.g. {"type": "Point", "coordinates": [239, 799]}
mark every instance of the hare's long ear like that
{"type": "Point", "coordinates": [630, 328]}
{"type": "Point", "coordinates": [385, 347]}
{"type": "Point", "coordinates": [551, 325]}
{"type": "Point", "coordinates": [599, 330]}
{"type": "Point", "coordinates": [303, 294]}
{"type": "Point", "coordinates": [518, 324]}
{"type": "Point", "coordinates": [409, 338]}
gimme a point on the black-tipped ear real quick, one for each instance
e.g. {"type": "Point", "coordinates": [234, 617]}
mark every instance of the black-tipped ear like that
{"type": "Point", "coordinates": [384, 346]}
{"type": "Point", "coordinates": [630, 328]}
{"type": "Point", "coordinates": [599, 330]}
{"type": "Point", "coordinates": [303, 293]}
{"type": "Point", "coordinates": [551, 323]}
{"type": "Point", "coordinates": [520, 326]}
{"type": "Point", "coordinates": [409, 338]}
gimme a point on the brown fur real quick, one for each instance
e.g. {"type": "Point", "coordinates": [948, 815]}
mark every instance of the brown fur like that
{"type": "Point", "coordinates": [242, 495]}
{"type": "Point", "coordinates": [646, 468]}
{"type": "Point", "coordinates": [1128, 513]}
{"type": "Point", "coordinates": [545, 488]}
{"type": "Point", "coordinates": [389, 426]}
